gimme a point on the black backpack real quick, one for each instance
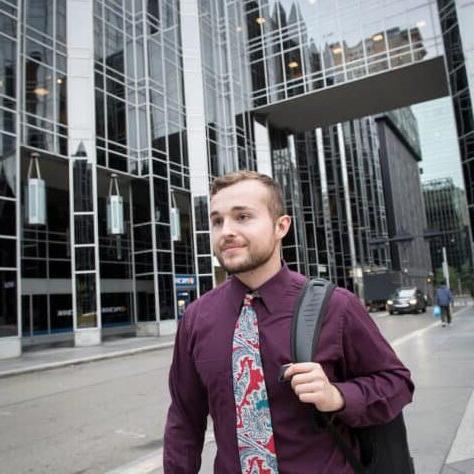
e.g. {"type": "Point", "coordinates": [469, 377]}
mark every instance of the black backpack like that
{"type": "Point", "coordinates": [383, 448]}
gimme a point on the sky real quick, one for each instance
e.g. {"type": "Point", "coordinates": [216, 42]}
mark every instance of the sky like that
{"type": "Point", "coordinates": [438, 139]}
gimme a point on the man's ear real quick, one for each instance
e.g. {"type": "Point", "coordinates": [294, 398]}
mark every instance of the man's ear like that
{"type": "Point", "coordinates": [282, 226]}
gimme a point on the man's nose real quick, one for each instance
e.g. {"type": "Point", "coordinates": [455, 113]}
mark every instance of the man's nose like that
{"type": "Point", "coordinates": [227, 227]}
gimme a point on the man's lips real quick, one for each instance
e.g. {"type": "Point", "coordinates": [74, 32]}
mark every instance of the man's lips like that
{"type": "Point", "coordinates": [231, 247]}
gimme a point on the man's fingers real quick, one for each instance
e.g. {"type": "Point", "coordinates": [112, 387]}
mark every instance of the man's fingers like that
{"type": "Point", "coordinates": [314, 398]}
{"type": "Point", "coordinates": [304, 378]}
{"type": "Point", "coordinates": [312, 387]}
{"type": "Point", "coordinates": [301, 367]}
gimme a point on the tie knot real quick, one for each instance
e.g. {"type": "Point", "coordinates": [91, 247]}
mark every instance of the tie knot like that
{"type": "Point", "coordinates": [249, 297]}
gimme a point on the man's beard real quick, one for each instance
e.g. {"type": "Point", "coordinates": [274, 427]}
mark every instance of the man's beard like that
{"type": "Point", "coordinates": [252, 262]}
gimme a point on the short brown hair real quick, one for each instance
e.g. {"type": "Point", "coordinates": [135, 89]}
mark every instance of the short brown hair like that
{"type": "Point", "coordinates": [276, 204]}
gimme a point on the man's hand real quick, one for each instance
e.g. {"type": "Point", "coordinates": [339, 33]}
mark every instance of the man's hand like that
{"type": "Point", "coordinates": [311, 385]}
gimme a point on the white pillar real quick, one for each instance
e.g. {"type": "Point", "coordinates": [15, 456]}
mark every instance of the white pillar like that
{"type": "Point", "coordinates": [11, 346]}
{"type": "Point", "coordinates": [194, 97]}
{"type": "Point", "coordinates": [195, 111]}
{"type": "Point", "coordinates": [81, 121]}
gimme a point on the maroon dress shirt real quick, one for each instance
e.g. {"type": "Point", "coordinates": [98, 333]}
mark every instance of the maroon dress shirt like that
{"type": "Point", "coordinates": [352, 352]}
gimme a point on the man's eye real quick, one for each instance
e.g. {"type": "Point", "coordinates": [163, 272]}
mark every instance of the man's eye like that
{"type": "Point", "coordinates": [242, 217]}
{"type": "Point", "coordinates": [216, 222]}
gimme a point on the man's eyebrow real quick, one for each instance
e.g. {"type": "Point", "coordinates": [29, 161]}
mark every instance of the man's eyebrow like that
{"type": "Point", "coordinates": [234, 209]}
{"type": "Point", "coordinates": [242, 208]}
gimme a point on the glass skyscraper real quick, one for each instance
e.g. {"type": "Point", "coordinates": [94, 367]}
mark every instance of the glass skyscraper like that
{"type": "Point", "coordinates": [446, 211]}
{"type": "Point", "coordinates": [116, 115]}
{"type": "Point", "coordinates": [456, 17]}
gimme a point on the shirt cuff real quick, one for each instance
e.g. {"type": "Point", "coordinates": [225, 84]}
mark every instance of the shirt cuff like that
{"type": "Point", "coordinates": [354, 403]}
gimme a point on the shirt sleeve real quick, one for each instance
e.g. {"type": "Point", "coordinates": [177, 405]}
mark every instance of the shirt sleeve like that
{"type": "Point", "coordinates": [187, 415]}
{"type": "Point", "coordinates": [377, 384]}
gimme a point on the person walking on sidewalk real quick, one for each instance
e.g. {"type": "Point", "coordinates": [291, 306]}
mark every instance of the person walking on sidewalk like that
{"type": "Point", "coordinates": [233, 342]}
{"type": "Point", "coordinates": [444, 299]}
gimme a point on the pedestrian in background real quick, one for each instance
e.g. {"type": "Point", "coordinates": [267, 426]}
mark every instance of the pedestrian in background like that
{"type": "Point", "coordinates": [444, 299]}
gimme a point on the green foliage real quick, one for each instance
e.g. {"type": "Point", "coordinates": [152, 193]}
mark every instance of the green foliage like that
{"type": "Point", "coordinates": [460, 279]}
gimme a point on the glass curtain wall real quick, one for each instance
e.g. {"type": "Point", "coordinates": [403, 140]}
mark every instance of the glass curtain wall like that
{"type": "Point", "coordinates": [456, 22]}
{"type": "Point", "coordinates": [285, 173]}
{"type": "Point", "coordinates": [313, 206]}
{"type": "Point", "coordinates": [44, 117]}
{"type": "Point", "coordinates": [45, 249]}
{"type": "Point", "coordinates": [366, 192]}
{"type": "Point", "coordinates": [141, 130]}
{"type": "Point", "coordinates": [229, 124]}
{"type": "Point", "coordinates": [325, 212]}
{"type": "Point", "coordinates": [299, 46]}
{"type": "Point", "coordinates": [229, 130]}
{"type": "Point", "coordinates": [117, 148]}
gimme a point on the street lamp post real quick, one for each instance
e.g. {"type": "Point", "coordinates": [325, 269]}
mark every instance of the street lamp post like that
{"type": "Point", "coordinates": [445, 267]}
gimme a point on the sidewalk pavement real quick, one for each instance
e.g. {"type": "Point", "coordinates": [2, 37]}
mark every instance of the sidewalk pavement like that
{"type": "Point", "coordinates": [37, 359]}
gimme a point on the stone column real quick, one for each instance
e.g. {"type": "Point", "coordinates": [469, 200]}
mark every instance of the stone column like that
{"type": "Point", "coordinates": [197, 145]}
{"type": "Point", "coordinates": [83, 174]}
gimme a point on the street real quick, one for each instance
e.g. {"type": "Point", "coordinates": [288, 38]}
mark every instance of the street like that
{"type": "Point", "coordinates": [108, 416]}
{"type": "Point", "coordinates": [87, 418]}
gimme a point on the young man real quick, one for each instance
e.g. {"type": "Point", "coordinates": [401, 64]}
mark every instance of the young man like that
{"type": "Point", "coordinates": [233, 341]}
{"type": "Point", "coordinates": [444, 299]}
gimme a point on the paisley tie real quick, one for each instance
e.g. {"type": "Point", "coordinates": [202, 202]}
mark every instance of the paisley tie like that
{"type": "Point", "coordinates": [253, 421]}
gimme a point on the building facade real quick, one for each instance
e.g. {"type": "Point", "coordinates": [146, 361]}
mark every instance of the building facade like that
{"type": "Point", "coordinates": [399, 158]}
{"type": "Point", "coordinates": [446, 213]}
{"type": "Point", "coordinates": [343, 203]}
{"type": "Point", "coordinates": [116, 115]}
{"type": "Point", "coordinates": [456, 17]}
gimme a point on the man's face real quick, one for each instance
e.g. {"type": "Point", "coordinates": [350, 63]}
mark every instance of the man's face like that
{"type": "Point", "coordinates": [245, 235]}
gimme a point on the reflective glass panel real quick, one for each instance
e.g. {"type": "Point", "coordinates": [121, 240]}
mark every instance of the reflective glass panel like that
{"type": "Point", "coordinates": [8, 304]}
{"type": "Point", "coordinates": [86, 300]}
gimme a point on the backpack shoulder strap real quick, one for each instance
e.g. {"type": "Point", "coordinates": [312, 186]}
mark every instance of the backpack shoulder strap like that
{"type": "Point", "coordinates": [308, 318]}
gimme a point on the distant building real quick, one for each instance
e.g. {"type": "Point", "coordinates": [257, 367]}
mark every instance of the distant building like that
{"type": "Point", "coordinates": [446, 212]}
{"type": "Point", "coordinates": [399, 157]}
{"type": "Point", "coordinates": [342, 200]}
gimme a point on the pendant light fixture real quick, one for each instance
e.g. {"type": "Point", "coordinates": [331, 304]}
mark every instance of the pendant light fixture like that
{"type": "Point", "coordinates": [115, 224]}
{"type": "Point", "coordinates": [175, 220]}
{"type": "Point", "coordinates": [35, 198]}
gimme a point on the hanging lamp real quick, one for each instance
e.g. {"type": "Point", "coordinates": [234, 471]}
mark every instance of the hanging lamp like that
{"type": "Point", "coordinates": [35, 194]}
{"type": "Point", "coordinates": [175, 220]}
{"type": "Point", "coordinates": [115, 223]}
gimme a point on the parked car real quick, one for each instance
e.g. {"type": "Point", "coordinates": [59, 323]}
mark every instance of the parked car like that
{"type": "Point", "coordinates": [407, 300]}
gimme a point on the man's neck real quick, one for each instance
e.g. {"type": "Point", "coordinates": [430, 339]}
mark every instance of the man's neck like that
{"type": "Point", "coordinates": [256, 278]}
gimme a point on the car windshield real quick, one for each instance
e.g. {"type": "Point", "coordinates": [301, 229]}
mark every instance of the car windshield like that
{"type": "Point", "coordinates": [405, 293]}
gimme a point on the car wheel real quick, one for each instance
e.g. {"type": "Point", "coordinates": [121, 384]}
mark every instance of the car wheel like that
{"type": "Point", "coordinates": [390, 312]}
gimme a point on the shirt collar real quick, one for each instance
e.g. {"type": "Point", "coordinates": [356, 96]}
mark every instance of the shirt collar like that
{"type": "Point", "coordinates": [271, 292]}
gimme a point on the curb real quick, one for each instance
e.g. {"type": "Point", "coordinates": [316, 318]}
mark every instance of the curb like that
{"type": "Point", "coordinates": [84, 360]}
